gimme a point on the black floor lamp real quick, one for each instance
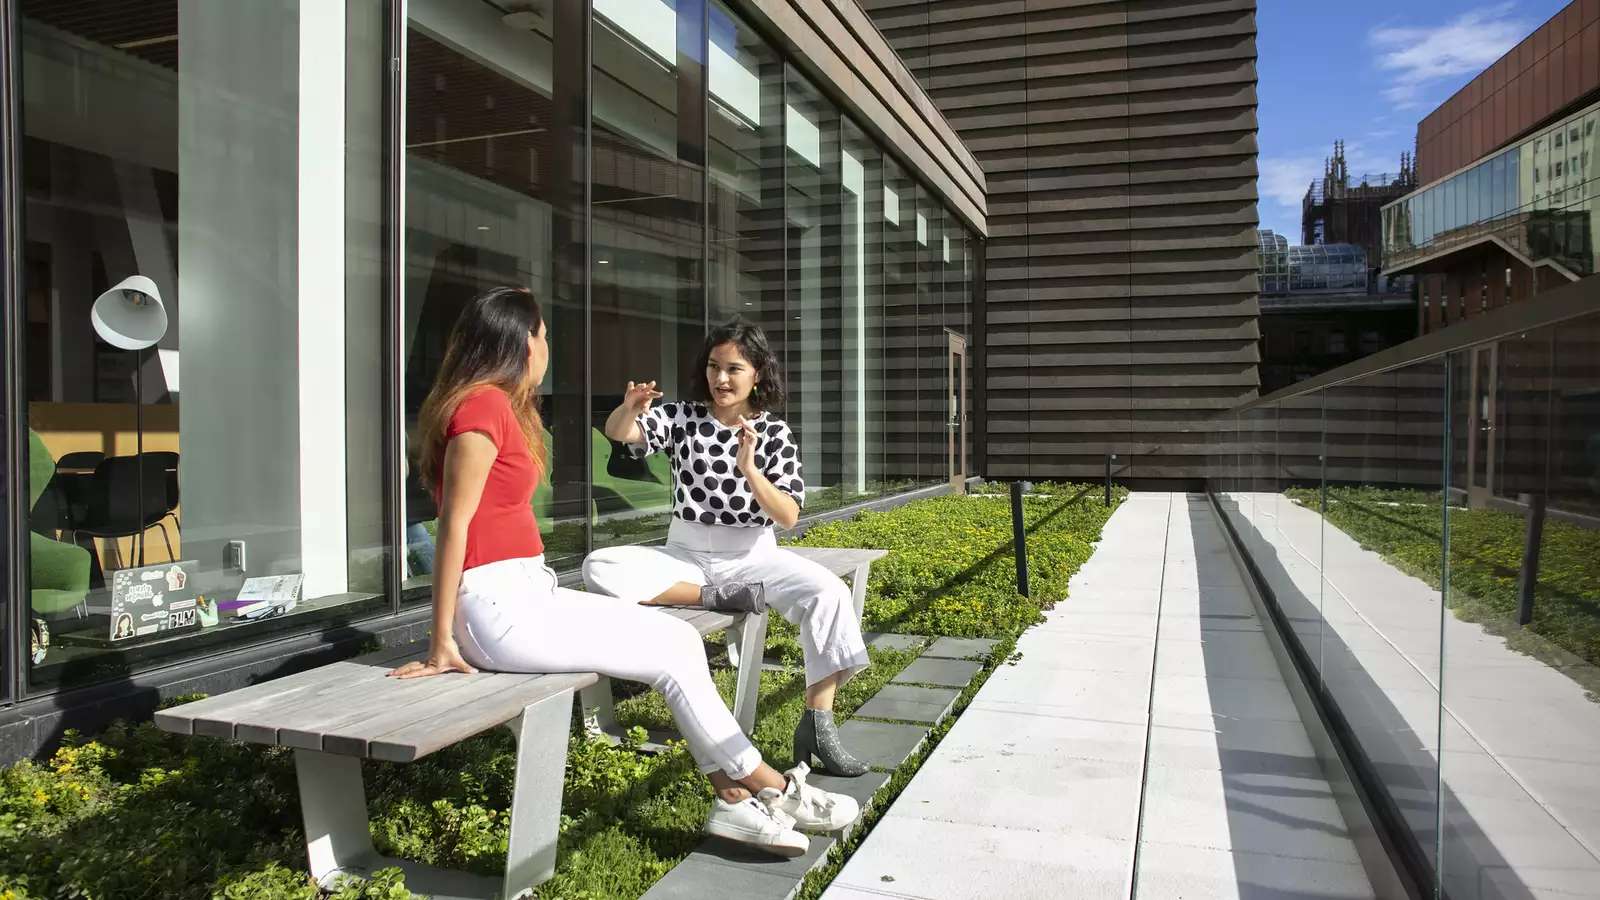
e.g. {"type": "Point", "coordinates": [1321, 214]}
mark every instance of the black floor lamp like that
{"type": "Point", "coordinates": [130, 316]}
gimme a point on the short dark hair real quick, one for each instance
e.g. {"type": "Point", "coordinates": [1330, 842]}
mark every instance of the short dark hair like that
{"type": "Point", "coordinates": [752, 343]}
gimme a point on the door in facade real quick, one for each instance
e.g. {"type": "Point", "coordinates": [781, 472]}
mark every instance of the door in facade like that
{"type": "Point", "coordinates": [956, 410]}
{"type": "Point", "coordinates": [1481, 420]}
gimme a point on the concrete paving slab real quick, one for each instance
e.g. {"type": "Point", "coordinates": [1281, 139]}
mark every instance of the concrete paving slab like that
{"type": "Point", "coordinates": [978, 786]}
{"type": "Point", "coordinates": [1020, 734]}
{"type": "Point", "coordinates": [1169, 872]}
{"type": "Point", "coordinates": [1094, 653]}
{"type": "Point", "coordinates": [883, 745]}
{"type": "Point", "coordinates": [1225, 654]}
{"type": "Point", "coordinates": [1067, 621]}
{"type": "Point", "coordinates": [1235, 698]}
{"type": "Point", "coordinates": [1107, 696]}
{"type": "Point", "coordinates": [730, 855]}
{"type": "Point", "coordinates": [1141, 602]}
{"type": "Point", "coordinates": [1280, 815]}
{"type": "Point", "coordinates": [959, 648]}
{"type": "Point", "coordinates": [1237, 745]}
{"type": "Point", "coordinates": [910, 704]}
{"type": "Point", "coordinates": [954, 673]}
{"type": "Point", "coordinates": [700, 879]}
{"type": "Point", "coordinates": [861, 787]}
{"type": "Point", "coordinates": [890, 641]}
{"type": "Point", "coordinates": [951, 861]}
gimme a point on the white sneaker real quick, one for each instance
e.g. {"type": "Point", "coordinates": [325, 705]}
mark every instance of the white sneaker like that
{"type": "Point", "coordinates": [812, 808]}
{"type": "Point", "coordinates": [757, 823]}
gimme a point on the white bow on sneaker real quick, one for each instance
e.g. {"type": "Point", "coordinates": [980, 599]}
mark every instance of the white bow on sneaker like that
{"type": "Point", "coordinates": [812, 808]}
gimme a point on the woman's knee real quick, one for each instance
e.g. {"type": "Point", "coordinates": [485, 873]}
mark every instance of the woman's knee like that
{"type": "Point", "coordinates": [599, 569]}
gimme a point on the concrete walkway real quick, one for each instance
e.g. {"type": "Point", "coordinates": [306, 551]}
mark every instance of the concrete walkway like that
{"type": "Point", "coordinates": [1143, 746]}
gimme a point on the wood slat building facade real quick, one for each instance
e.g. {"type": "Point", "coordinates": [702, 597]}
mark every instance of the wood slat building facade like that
{"type": "Point", "coordinates": [1118, 140]}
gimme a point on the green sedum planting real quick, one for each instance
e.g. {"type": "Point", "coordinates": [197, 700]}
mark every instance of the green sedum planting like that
{"type": "Point", "coordinates": [137, 813]}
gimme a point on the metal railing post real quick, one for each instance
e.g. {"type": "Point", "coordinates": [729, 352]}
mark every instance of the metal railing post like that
{"type": "Point", "coordinates": [1019, 537]}
{"type": "Point", "coordinates": [1110, 458]}
{"type": "Point", "coordinates": [1528, 577]}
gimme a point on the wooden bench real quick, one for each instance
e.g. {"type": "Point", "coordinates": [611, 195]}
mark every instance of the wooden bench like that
{"type": "Point", "coordinates": [746, 639]}
{"type": "Point", "coordinates": [336, 715]}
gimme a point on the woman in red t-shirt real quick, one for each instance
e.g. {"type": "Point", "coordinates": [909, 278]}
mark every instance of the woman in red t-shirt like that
{"type": "Point", "coordinates": [496, 605]}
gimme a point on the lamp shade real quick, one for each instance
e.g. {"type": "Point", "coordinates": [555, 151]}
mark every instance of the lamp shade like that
{"type": "Point", "coordinates": [130, 315]}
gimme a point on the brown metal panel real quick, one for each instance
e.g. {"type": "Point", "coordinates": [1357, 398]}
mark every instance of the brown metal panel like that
{"type": "Point", "coordinates": [1589, 79]}
{"type": "Point", "coordinates": [1572, 76]}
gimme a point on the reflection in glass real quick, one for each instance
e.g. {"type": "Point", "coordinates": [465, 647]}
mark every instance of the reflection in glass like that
{"type": "Point", "coordinates": [491, 201]}
{"type": "Point", "coordinates": [900, 325]}
{"type": "Point", "coordinates": [647, 261]}
{"type": "Point", "coordinates": [1520, 635]}
{"type": "Point", "coordinates": [163, 144]}
{"type": "Point", "coordinates": [816, 312]}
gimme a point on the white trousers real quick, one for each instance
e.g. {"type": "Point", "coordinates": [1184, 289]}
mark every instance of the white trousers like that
{"type": "Point", "coordinates": [511, 617]}
{"type": "Point", "coordinates": [805, 593]}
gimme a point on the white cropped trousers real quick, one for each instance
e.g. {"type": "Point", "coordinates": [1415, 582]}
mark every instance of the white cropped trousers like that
{"type": "Point", "coordinates": [803, 592]}
{"type": "Point", "coordinates": [512, 617]}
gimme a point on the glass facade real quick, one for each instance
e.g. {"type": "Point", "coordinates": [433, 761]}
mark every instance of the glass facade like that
{"type": "Point", "coordinates": [1541, 198]}
{"type": "Point", "coordinates": [259, 191]}
{"type": "Point", "coordinates": [1428, 535]}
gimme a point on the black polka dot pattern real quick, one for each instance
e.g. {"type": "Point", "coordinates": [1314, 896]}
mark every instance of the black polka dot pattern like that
{"type": "Point", "coordinates": [710, 489]}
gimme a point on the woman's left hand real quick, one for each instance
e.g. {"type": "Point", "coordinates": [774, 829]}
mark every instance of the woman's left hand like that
{"type": "Point", "coordinates": [748, 440]}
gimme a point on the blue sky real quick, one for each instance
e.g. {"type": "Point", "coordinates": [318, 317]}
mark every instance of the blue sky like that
{"type": "Point", "coordinates": [1365, 71]}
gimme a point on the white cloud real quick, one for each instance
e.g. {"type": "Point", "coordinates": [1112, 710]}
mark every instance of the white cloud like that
{"type": "Point", "coordinates": [1284, 179]}
{"type": "Point", "coordinates": [1420, 56]}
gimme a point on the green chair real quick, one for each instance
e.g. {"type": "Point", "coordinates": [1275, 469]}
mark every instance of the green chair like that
{"type": "Point", "coordinates": [60, 571]}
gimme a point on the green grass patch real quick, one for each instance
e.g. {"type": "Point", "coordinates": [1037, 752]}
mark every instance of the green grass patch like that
{"type": "Point", "coordinates": [137, 813]}
{"type": "Point", "coordinates": [1406, 528]}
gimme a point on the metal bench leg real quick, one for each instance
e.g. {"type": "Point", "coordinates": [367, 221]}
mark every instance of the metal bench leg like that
{"type": "Point", "coordinates": [752, 644]}
{"type": "Point", "coordinates": [858, 589]}
{"type": "Point", "coordinates": [536, 803]}
{"type": "Point", "coordinates": [599, 711]}
{"type": "Point", "coordinates": [333, 803]}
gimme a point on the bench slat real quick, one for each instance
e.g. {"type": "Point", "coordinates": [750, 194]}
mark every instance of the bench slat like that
{"type": "Point", "coordinates": [214, 716]}
{"type": "Point", "coordinates": [349, 735]}
{"type": "Point", "coordinates": [416, 739]}
{"type": "Point", "coordinates": [305, 727]}
{"type": "Point", "coordinates": [840, 561]}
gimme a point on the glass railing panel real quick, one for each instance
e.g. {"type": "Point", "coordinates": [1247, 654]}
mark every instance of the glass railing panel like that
{"type": "Point", "coordinates": [1381, 564]}
{"type": "Point", "coordinates": [1520, 779]}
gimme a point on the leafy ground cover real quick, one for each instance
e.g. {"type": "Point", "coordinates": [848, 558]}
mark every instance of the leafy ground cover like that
{"type": "Point", "coordinates": [136, 813]}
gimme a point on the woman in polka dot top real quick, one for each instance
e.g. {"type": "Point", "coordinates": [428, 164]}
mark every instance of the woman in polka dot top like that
{"type": "Point", "coordinates": [735, 474]}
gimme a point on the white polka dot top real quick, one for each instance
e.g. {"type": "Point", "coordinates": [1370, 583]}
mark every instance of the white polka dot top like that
{"type": "Point", "coordinates": [707, 485]}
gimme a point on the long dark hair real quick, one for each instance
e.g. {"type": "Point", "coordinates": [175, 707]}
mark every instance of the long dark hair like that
{"type": "Point", "coordinates": [752, 343]}
{"type": "Point", "coordinates": [488, 346]}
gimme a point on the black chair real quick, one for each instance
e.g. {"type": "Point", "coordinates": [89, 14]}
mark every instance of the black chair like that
{"type": "Point", "coordinates": [114, 502]}
{"type": "Point", "coordinates": [169, 461]}
{"type": "Point", "coordinates": [74, 482]}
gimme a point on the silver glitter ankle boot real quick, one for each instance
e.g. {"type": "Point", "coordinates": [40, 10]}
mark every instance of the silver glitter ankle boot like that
{"type": "Point", "coordinates": [734, 596]}
{"type": "Point", "coordinates": [818, 736]}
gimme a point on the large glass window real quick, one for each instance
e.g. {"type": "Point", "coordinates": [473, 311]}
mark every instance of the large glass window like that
{"type": "Point", "coordinates": [493, 134]}
{"type": "Point", "coordinates": [900, 326]}
{"type": "Point", "coordinates": [745, 123]}
{"type": "Point", "coordinates": [815, 268]}
{"type": "Point", "coordinates": [861, 275]}
{"type": "Point", "coordinates": [647, 263]}
{"type": "Point", "coordinates": [203, 194]}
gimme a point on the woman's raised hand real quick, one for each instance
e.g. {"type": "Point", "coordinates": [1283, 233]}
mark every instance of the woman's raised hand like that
{"type": "Point", "coordinates": [748, 440]}
{"type": "Point", "coordinates": [639, 396]}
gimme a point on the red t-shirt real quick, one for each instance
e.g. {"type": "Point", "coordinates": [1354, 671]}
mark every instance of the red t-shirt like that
{"type": "Point", "coordinates": [503, 527]}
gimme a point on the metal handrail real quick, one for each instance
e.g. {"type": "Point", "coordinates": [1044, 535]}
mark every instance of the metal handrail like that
{"type": "Point", "coordinates": [1569, 301]}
